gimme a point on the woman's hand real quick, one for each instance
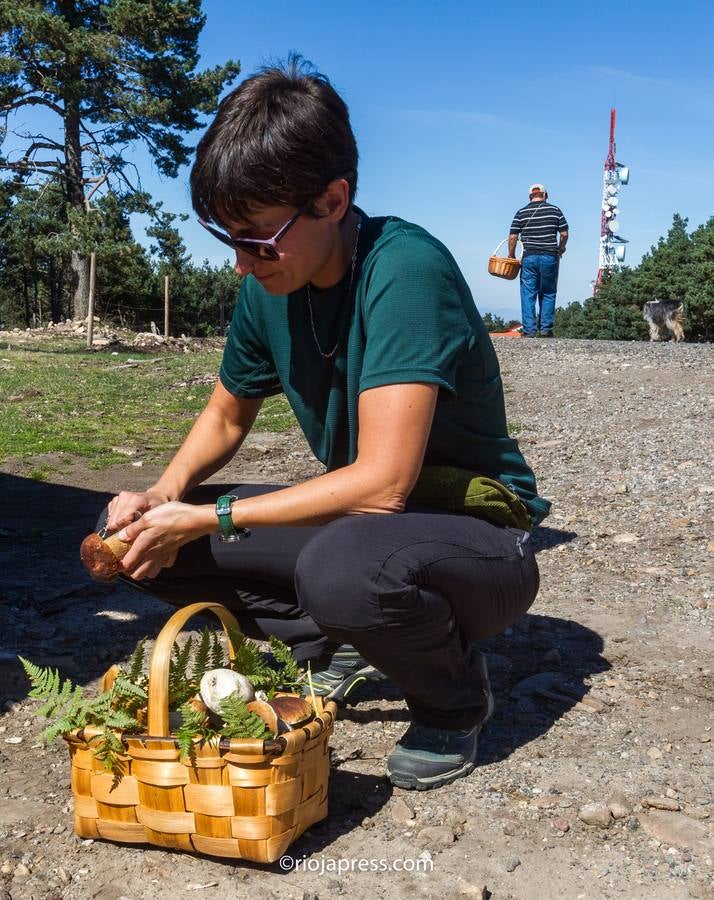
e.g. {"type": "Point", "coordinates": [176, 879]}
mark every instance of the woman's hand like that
{"type": "Point", "coordinates": [128, 506]}
{"type": "Point", "coordinates": [159, 534]}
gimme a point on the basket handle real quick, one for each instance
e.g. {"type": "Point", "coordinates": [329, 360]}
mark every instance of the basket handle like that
{"type": "Point", "coordinates": [518, 241]}
{"type": "Point", "coordinates": [158, 714]}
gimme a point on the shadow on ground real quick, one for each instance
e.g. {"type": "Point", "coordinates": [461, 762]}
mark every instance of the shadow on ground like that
{"type": "Point", "coordinates": [52, 613]}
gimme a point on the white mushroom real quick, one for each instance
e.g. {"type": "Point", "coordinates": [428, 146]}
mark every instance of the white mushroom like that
{"type": "Point", "coordinates": [217, 684]}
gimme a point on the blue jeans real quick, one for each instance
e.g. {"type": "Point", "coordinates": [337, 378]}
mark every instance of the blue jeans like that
{"type": "Point", "coordinates": [539, 280]}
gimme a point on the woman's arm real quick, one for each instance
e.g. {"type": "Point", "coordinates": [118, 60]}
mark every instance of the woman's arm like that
{"type": "Point", "coordinates": [394, 426]}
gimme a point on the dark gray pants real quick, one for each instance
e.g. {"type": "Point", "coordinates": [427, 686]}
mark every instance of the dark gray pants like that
{"type": "Point", "coordinates": [410, 591]}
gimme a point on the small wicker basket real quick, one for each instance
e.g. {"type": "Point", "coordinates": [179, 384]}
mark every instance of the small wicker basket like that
{"type": "Point", "coordinates": [503, 266]}
{"type": "Point", "coordinates": [240, 798]}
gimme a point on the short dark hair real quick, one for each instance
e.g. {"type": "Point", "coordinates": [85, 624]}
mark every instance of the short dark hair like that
{"type": "Point", "coordinates": [278, 139]}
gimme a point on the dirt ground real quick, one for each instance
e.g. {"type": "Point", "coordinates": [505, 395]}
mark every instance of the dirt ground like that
{"type": "Point", "coordinates": [595, 773]}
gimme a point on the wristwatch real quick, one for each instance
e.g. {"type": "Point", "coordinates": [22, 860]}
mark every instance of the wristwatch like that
{"type": "Point", "coordinates": [228, 530]}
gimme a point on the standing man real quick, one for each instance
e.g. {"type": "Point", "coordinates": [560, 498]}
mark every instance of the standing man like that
{"type": "Point", "coordinates": [538, 225]}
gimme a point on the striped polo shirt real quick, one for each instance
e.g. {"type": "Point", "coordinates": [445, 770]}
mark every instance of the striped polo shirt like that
{"type": "Point", "coordinates": [538, 225]}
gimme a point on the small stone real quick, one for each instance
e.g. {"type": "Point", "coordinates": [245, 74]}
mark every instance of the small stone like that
{"type": "Point", "coordinates": [436, 837]}
{"type": "Point", "coordinates": [512, 863]}
{"type": "Point", "coordinates": [560, 824]}
{"type": "Point", "coordinates": [510, 829]}
{"type": "Point", "coordinates": [660, 803]}
{"type": "Point", "coordinates": [677, 830]}
{"type": "Point", "coordinates": [671, 793]}
{"type": "Point", "coordinates": [596, 814]}
{"type": "Point", "coordinates": [547, 801]}
{"type": "Point", "coordinates": [705, 738]}
{"type": "Point", "coordinates": [400, 810]}
{"type": "Point", "coordinates": [697, 812]}
{"type": "Point", "coordinates": [64, 875]}
{"type": "Point", "coordinates": [6, 868]}
{"type": "Point", "coordinates": [13, 740]}
{"type": "Point", "coordinates": [654, 753]}
{"type": "Point", "coordinates": [464, 889]}
{"type": "Point", "coordinates": [699, 603]}
{"type": "Point", "coordinates": [455, 816]}
{"type": "Point", "coordinates": [619, 809]}
{"type": "Point", "coordinates": [21, 871]}
{"type": "Point", "coordinates": [625, 538]}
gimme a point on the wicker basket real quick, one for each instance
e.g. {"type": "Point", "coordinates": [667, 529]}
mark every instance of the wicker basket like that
{"type": "Point", "coordinates": [503, 266]}
{"type": "Point", "coordinates": [247, 799]}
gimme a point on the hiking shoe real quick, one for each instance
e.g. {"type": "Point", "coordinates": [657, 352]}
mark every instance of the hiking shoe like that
{"type": "Point", "coordinates": [426, 757]}
{"type": "Point", "coordinates": [345, 671]}
{"type": "Point", "coordinates": [546, 334]}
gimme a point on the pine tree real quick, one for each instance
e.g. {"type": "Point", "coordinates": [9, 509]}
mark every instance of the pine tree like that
{"type": "Point", "coordinates": [113, 72]}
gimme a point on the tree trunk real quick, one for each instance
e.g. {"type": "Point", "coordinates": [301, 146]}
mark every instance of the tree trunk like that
{"type": "Point", "coordinates": [74, 186]}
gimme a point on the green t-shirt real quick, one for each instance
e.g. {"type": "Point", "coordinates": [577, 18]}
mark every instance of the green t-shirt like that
{"type": "Point", "coordinates": [410, 318]}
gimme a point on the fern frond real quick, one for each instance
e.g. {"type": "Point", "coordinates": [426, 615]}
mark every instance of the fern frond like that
{"type": "Point", "coordinates": [108, 748]}
{"type": "Point", "coordinates": [193, 725]}
{"type": "Point", "coordinates": [180, 659]}
{"type": "Point", "coordinates": [126, 689]}
{"type": "Point", "coordinates": [239, 722]}
{"type": "Point", "coordinates": [202, 662]}
{"type": "Point", "coordinates": [136, 663]}
{"type": "Point", "coordinates": [45, 682]}
{"type": "Point", "coordinates": [289, 670]}
{"type": "Point", "coordinates": [249, 659]}
{"type": "Point", "coordinates": [218, 654]}
{"type": "Point", "coordinates": [181, 686]}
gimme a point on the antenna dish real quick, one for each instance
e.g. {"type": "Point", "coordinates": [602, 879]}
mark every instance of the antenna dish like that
{"type": "Point", "coordinates": [613, 226]}
{"type": "Point", "coordinates": [623, 173]}
{"type": "Point", "coordinates": [620, 251]}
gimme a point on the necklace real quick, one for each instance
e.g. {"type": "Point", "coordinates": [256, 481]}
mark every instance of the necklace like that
{"type": "Point", "coordinates": [347, 294]}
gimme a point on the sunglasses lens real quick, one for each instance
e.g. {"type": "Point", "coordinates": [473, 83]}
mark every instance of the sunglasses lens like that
{"type": "Point", "coordinates": [257, 249]}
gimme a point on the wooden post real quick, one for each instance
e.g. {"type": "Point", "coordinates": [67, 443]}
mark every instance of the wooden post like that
{"type": "Point", "coordinates": [90, 302]}
{"type": "Point", "coordinates": [166, 306]}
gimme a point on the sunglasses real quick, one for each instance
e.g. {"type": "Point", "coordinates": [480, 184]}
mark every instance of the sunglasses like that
{"type": "Point", "coordinates": [261, 249]}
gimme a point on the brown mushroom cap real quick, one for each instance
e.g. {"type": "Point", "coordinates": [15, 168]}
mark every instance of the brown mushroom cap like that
{"type": "Point", "coordinates": [293, 710]}
{"type": "Point", "coordinates": [98, 559]}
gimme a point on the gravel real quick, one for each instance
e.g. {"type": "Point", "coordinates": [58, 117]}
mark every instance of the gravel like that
{"type": "Point", "coordinates": [604, 690]}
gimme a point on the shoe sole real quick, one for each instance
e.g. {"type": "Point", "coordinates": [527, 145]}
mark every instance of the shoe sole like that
{"type": "Point", "coordinates": [345, 688]}
{"type": "Point", "coordinates": [412, 783]}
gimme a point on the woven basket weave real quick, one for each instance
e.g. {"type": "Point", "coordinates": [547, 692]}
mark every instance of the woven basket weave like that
{"type": "Point", "coordinates": [246, 799]}
{"type": "Point", "coordinates": [503, 266]}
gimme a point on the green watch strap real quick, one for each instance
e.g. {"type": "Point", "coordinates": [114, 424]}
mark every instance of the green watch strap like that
{"type": "Point", "coordinates": [228, 530]}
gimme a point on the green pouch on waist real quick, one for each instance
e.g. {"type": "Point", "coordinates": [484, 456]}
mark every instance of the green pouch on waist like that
{"type": "Point", "coordinates": [458, 490]}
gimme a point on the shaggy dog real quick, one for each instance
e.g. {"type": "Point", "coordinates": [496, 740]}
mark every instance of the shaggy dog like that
{"type": "Point", "coordinates": [664, 317]}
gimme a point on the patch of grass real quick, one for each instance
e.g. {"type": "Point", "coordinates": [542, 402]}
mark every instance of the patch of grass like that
{"type": "Point", "coordinates": [514, 428]}
{"type": "Point", "coordinates": [63, 400]}
{"type": "Point", "coordinates": [41, 472]}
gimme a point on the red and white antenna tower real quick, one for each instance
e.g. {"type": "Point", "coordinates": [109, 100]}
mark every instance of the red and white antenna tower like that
{"type": "Point", "coordinates": [612, 246]}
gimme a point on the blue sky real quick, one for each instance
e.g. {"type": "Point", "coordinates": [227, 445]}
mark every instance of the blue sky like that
{"type": "Point", "coordinates": [458, 107]}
